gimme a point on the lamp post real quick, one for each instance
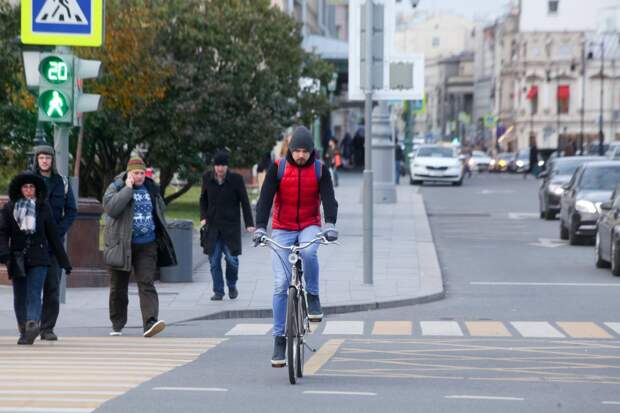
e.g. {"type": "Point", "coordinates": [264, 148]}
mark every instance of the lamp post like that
{"type": "Point", "coordinates": [601, 134]}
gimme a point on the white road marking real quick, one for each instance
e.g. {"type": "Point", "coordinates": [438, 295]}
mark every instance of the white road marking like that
{"type": "Point", "coordinates": [344, 327]}
{"type": "Point", "coordinates": [523, 215]}
{"type": "Point", "coordinates": [536, 329]}
{"type": "Point", "coordinates": [464, 396]}
{"type": "Point", "coordinates": [66, 392]}
{"type": "Point", "coordinates": [542, 284]}
{"type": "Point", "coordinates": [614, 326]}
{"type": "Point", "coordinates": [213, 389]}
{"type": "Point", "coordinates": [611, 403]}
{"type": "Point", "coordinates": [549, 243]}
{"type": "Point", "coordinates": [44, 410]}
{"type": "Point", "coordinates": [343, 393]}
{"type": "Point", "coordinates": [249, 330]}
{"type": "Point", "coordinates": [440, 328]}
{"type": "Point", "coordinates": [496, 191]}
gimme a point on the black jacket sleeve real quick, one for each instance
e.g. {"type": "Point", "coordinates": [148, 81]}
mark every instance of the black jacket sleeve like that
{"type": "Point", "coordinates": [265, 200]}
{"type": "Point", "coordinates": [4, 233]}
{"type": "Point", "coordinates": [69, 212]}
{"type": "Point", "coordinates": [54, 240]}
{"type": "Point", "coordinates": [326, 188]}
{"type": "Point", "coordinates": [245, 203]}
{"type": "Point", "coordinates": [204, 201]}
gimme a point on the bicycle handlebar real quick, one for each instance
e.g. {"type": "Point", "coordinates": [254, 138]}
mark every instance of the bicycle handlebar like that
{"type": "Point", "coordinates": [264, 240]}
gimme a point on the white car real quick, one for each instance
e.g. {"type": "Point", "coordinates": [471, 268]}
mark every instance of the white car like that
{"type": "Point", "coordinates": [435, 163]}
{"type": "Point", "coordinates": [479, 161]}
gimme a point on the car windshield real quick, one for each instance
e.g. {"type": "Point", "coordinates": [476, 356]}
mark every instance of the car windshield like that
{"type": "Point", "coordinates": [478, 154]}
{"type": "Point", "coordinates": [524, 154]}
{"type": "Point", "coordinates": [435, 152]}
{"type": "Point", "coordinates": [567, 167]}
{"type": "Point", "coordinates": [604, 178]}
{"type": "Point", "coordinates": [505, 156]}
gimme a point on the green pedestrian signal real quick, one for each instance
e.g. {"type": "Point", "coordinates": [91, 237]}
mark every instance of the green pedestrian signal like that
{"type": "Point", "coordinates": [56, 88]}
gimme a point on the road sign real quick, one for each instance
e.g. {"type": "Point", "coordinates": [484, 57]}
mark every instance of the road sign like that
{"type": "Point", "coordinates": [62, 22]}
{"type": "Point", "coordinates": [396, 76]}
{"type": "Point", "coordinates": [490, 121]}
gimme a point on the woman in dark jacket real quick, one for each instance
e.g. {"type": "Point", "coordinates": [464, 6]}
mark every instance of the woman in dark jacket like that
{"type": "Point", "coordinates": [27, 227]}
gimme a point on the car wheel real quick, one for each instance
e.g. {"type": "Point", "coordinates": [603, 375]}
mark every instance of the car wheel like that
{"type": "Point", "coordinates": [563, 231]}
{"type": "Point", "coordinates": [414, 182]}
{"type": "Point", "coordinates": [573, 238]}
{"type": "Point", "coordinates": [600, 262]}
{"type": "Point", "coordinates": [548, 215]}
{"type": "Point", "coordinates": [459, 182]}
{"type": "Point", "coordinates": [615, 258]}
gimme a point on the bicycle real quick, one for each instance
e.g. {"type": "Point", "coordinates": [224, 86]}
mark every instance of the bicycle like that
{"type": "Point", "coordinates": [297, 322]}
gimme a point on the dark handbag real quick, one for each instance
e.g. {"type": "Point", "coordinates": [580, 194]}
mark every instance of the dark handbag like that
{"type": "Point", "coordinates": [17, 264]}
{"type": "Point", "coordinates": [203, 236]}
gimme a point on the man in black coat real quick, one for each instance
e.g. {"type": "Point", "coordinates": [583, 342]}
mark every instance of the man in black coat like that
{"type": "Point", "coordinates": [61, 199]}
{"type": "Point", "coordinates": [223, 192]}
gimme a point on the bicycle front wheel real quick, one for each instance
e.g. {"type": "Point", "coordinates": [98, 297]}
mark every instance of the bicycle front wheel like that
{"type": "Point", "coordinates": [292, 334]}
{"type": "Point", "coordinates": [299, 340]}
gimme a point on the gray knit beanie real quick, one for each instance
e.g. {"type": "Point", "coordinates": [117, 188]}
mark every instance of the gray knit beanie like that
{"type": "Point", "coordinates": [302, 139]}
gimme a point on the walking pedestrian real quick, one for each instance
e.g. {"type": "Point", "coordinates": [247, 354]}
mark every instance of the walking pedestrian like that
{"type": "Point", "coordinates": [27, 231]}
{"type": "Point", "coordinates": [223, 194]}
{"type": "Point", "coordinates": [136, 236]}
{"type": "Point", "coordinates": [333, 159]}
{"type": "Point", "coordinates": [533, 169]}
{"type": "Point", "coordinates": [61, 200]}
{"type": "Point", "coordinates": [345, 149]}
{"type": "Point", "coordinates": [399, 158]}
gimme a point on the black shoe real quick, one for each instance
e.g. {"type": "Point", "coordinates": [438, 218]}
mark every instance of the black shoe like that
{"type": "Point", "coordinates": [22, 334]}
{"type": "Point", "coordinates": [154, 327]}
{"type": "Point", "coordinates": [217, 297]}
{"type": "Point", "coordinates": [314, 308]}
{"type": "Point", "coordinates": [49, 336]}
{"type": "Point", "coordinates": [279, 352]}
{"type": "Point", "coordinates": [32, 331]}
{"type": "Point", "coordinates": [233, 293]}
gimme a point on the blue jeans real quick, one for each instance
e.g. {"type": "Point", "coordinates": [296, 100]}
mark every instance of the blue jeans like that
{"type": "Point", "coordinates": [282, 270]}
{"type": "Point", "coordinates": [232, 267]}
{"type": "Point", "coordinates": [27, 294]}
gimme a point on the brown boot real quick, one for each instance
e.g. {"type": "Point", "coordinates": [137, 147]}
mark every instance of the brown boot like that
{"type": "Point", "coordinates": [22, 334]}
{"type": "Point", "coordinates": [32, 331]}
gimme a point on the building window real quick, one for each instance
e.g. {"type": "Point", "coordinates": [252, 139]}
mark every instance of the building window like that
{"type": "Point", "coordinates": [563, 98]}
{"type": "Point", "coordinates": [435, 42]}
{"type": "Point", "coordinates": [553, 6]}
{"type": "Point", "coordinates": [532, 96]}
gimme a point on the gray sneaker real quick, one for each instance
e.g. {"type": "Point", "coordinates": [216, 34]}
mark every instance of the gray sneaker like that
{"type": "Point", "coordinates": [315, 314]}
{"type": "Point", "coordinates": [279, 352]}
{"type": "Point", "coordinates": [154, 327]}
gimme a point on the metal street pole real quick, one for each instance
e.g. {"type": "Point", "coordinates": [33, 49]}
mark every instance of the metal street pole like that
{"type": "Point", "coordinates": [368, 175]}
{"type": "Point", "coordinates": [583, 94]}
{"type": "Point", "coordinates": [601, 135]}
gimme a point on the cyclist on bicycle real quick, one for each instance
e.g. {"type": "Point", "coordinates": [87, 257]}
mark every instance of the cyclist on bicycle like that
{"type": "Point", "coordinates": [299, 183]}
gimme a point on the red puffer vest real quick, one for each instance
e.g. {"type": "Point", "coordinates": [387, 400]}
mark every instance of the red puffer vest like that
{"type": "Point", "coordinates": [297, 203]}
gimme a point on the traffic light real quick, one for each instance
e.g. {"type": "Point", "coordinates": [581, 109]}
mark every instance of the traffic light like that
{"type": "Point", "coordinates": [56, 88]}
{"type": "Point", "coordinates": [84, 102]}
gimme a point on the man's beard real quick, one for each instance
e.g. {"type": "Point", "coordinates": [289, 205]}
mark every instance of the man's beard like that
{"type": "Point", "coordinates": [301, 162]}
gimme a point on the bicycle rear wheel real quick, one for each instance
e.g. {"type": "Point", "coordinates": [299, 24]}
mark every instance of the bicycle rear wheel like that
{"type": "Point", "coordinates": [291, 334]}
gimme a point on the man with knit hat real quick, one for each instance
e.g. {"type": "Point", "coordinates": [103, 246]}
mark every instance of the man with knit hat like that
{"type": "Point", "coordinates": [62, 202]}
{"type": "Point", "coordinates": [299, 183]}
{"type": "Point", "coordinates": [223, 194]}
{"type": "Point", "coordinates": [136, 237]}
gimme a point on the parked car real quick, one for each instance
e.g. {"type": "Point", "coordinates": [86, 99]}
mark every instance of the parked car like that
{"type": "Point", "coordinates": [607, 250]}
{"type": "Point", "coordinates": [613, 153]}
{"type": "Point", "coordinates": [436, 163]}
{"type": "Point", "coordinates": [500, 162]}
{"type": "Point", "coordinates": [521, 161]}
{"type": "Point", "coordinates": [558, 172]}
{"type": "Point", "coordinates": [479, 161]}
{"type": "Point", "coordinates": [590, 186]}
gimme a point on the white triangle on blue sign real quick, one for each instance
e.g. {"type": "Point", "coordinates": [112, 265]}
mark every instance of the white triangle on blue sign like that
{"type": "Point", "coordinates": [61, 12]}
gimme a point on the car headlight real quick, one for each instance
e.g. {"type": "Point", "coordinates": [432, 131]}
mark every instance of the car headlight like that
{"type": "Point", "coordinates": [541, 163]}
{"type": "Point", "coordinates": [585, 206]}
{"type": "Point", "coordinates": [520, 164]}
{"type": "Point", "coordinates": [556, 189]}
{"type": "Point", "coordinates": [502, 163]}
{"type": "Point", "coordinates": [492, 163]}
{"type": "Point", "coordinates": [471, 162]}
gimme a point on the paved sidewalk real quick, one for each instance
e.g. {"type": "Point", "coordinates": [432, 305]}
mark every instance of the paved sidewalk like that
{"type": "Point", "coordinates": [406, 271]}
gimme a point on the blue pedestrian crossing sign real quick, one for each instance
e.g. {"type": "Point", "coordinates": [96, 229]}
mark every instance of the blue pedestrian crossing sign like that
{"type": "Point", "coordinates": [63, 22]}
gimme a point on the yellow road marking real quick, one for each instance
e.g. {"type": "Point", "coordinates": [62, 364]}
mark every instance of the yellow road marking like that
{"type": "Point", "coordinates": [392, 328]}
{"type": "Point", "coordinates": [583, 330]}
{"type": "Point", "coordinates": [487, 329]}
{"type": "Point", "coordinates": [322, 356]}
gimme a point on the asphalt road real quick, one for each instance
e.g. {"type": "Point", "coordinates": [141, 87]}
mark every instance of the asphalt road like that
{"type": "Point", "coordinates": [528, 324]}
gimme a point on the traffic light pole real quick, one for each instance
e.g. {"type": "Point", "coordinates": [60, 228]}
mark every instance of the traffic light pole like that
{"type": "Point", "coordinates": [368, 175]}
{"type": "Point", "coordinates": [61, 148]}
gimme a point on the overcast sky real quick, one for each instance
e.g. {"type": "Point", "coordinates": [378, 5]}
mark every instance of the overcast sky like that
{"type": "Point", "coordinates": [475, 9]}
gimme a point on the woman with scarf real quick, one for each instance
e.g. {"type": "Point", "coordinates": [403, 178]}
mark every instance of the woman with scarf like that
{"type": "Point", "coordinates": [27, 227]}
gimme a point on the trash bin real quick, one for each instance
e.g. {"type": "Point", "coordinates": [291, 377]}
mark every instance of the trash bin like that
{"type": "Point", "coordinates": [181, 233]}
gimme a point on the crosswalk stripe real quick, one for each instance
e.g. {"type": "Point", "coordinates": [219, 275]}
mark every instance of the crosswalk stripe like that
{"type": "Point", "coordinates": [583, 330]}
{"type": "Point", "coordinates": [78, 375]}
{"type": "Point", "coordinates": [440, 328]}
{"type": "Point", "coordinates": [344, 327]}
{"type": "Point", "coordinates": [392, 328]}
{"type": "Point", "coordinates": [614, 326]}
{"type": "Point", "coordinates": [249, 330]}
{"type": "Point", "coordinates": [487, 329]}
{"type": "Point", "coordinates": [536, 329]}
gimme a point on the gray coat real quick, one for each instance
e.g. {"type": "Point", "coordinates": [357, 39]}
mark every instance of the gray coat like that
{"type": "Point", "coordinates": [118, 208]}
